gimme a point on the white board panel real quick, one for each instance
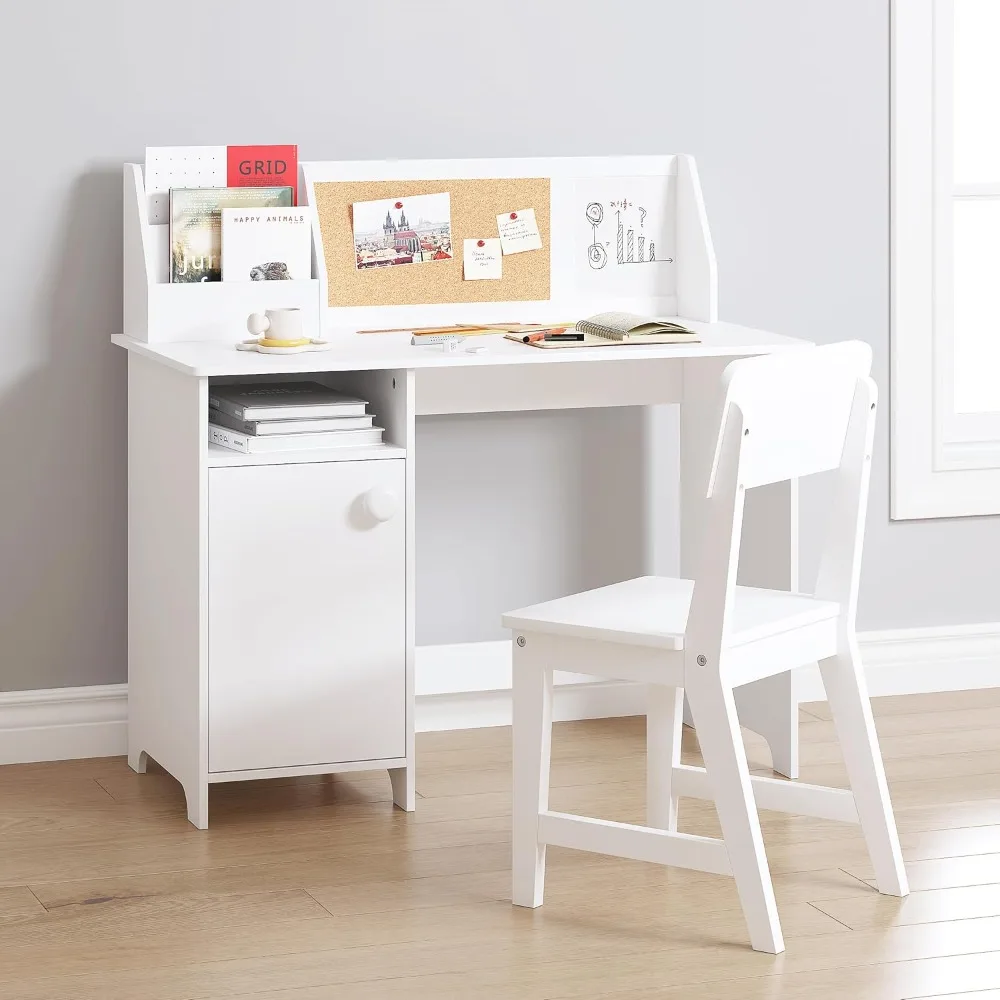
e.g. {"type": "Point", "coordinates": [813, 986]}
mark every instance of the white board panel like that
{"type": "Point", "coordinates": [624, 237]}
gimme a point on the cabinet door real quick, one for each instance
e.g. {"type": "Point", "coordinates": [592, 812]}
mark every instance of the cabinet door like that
{"type": "Point", "coordinates": [306, 605]}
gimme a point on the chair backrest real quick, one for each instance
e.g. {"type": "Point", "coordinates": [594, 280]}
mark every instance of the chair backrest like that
{"type": "Point", "coordinates": [796, 407]}
{"type": "Point", "coordinates": [787, 416]}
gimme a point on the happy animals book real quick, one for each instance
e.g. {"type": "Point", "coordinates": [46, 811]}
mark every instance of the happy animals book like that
{"type": "Point", "coordinates": [266, 244]}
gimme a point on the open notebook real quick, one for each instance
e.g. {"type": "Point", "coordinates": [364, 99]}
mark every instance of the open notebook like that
{"type": "Point", "coordinates": [613, 328]}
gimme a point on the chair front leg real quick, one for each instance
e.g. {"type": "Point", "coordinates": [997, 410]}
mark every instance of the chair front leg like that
{"type": "Point", "coordinates": [714, 711]}
{"type": "Point", "coordinates": [532, 738]}
{"type": "Point", "coordinates": [847, 693]}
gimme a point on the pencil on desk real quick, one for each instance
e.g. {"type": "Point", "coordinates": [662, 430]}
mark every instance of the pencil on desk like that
{"type": "Point", "coordinates": [530, 338]}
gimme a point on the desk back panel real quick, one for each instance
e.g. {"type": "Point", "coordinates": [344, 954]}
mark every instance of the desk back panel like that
{"type": "Point", "coordinates": [627, 232]}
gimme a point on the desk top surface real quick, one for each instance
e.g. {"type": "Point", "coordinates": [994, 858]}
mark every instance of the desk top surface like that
{"type": "Point", "coordinates": [392, 351]}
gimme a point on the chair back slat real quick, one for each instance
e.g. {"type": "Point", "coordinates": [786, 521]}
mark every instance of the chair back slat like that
{"type": "Point", "coordinates": [795, 408]}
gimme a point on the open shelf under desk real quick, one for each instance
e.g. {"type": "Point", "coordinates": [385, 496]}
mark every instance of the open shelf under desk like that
{"type": "Point", "coordinates": [220, 458]}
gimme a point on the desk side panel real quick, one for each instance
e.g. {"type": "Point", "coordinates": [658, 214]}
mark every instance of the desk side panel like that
{"type": "Point", "coordinates": [697, 272]}
{"type": "Point", "coordinates": [167, 595]}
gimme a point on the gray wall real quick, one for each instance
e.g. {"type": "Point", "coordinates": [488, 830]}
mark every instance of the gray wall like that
{"type": "Point", "coordinates": [783, 102]}
{"type": "Point", "coordinates": [795, 163]}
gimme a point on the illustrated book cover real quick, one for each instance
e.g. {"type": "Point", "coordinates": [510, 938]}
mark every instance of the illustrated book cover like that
{"type": "Point", "coordinates": [266, 244]}
{"type": "Point", "coordinates": [263, 166]}
{"type": "Point", "coordinates": [196, 226]}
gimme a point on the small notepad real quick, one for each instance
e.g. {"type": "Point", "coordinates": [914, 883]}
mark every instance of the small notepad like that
{"type": "Point", "coordinates": [625, 327]}
{"type": "Point", "coordinates": [613, 329]}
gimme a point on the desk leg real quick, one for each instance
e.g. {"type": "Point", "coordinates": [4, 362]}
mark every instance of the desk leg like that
{"type": "Point", "coordinates": [768, 556]}
{"type": "Point", "coordinates": [404, 790]}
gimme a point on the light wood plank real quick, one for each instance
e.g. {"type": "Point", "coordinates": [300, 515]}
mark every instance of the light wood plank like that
{"type": "Point", "coordinates": [947, 816]}
{"type": "Point", "coordinates": [285, 875]}
{"type": "Point", "coordinates": [801, 986]}
{"type": "Point", "coordinates": [945, 873]}
{"type": "Point", "coordinates": [951, 843]}
{"type": "Point", "coordinates": [17, 904]}
{"type": "Point", "coordinates": [898, 981]}
{"type": "Point", "coordinates": [687, 887]}
{"type": "Point", "coordinates": [977, 995]}
{"type": "Point", "coordinates": [917, 723]}
{"type": "Point", "coordinates": [911, 704]}
{"type": "Point", "coordinates": [924, 907]}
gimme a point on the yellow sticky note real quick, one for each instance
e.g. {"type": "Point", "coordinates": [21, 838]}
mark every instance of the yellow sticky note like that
{"type": "Point", "coordinates": [519, 231]}
{"type": "Point", "coordinates": [482, 259]}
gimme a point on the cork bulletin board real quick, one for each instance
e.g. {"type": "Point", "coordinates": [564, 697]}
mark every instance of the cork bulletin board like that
{"type": "Point", "coordinates": [475, 204]}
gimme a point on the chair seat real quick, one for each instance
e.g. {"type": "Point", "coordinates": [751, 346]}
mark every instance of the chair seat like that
{"type": "Point", "coordinates": [653, 611]}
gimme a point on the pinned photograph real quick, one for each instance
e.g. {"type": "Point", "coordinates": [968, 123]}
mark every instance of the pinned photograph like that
{"type": "Point", "coordinates": [410, 230]}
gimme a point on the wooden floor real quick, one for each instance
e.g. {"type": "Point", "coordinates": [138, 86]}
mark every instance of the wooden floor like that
{"type": "Point", "coordinates": [316, 888]}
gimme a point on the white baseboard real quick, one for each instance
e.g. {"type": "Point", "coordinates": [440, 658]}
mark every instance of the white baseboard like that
{"type": "Point", "coordinates": [922, 660]}
{"type": "Point", "coordinates": [63, 723]}
{"type": "Point", "coordinates": [467, 686]}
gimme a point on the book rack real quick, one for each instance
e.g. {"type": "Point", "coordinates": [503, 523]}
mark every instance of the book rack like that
{"type": "Point", "coordinates": [158, 311]}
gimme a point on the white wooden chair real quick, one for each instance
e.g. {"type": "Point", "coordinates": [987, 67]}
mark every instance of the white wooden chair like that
{"type": "Point", "coordinates": [785, 416]}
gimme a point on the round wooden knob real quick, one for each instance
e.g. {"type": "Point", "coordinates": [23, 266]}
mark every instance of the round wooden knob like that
{"type": "Point", "coordinates": [381, 503]}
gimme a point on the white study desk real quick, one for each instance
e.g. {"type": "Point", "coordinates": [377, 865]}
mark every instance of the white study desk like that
{"type": "Point", "coordinates": [245, 661]}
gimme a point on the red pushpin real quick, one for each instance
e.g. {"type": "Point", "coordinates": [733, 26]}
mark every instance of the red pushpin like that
{"type": "Point", "coordinates": [481, 243]}
{"type": "Point", "coordinates": [399, 204]}
{"type": "Point", "coordinates": [513, 215]}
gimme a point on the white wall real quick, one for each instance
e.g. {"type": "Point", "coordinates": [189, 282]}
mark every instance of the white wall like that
{"type": "Point", "coordinates": [784, 102]}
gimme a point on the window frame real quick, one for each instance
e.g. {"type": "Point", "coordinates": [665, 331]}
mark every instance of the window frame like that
{"type": "Point", "coordinates": [943, 463]}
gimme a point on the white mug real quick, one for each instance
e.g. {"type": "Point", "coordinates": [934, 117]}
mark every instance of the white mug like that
{"type": "Point", "coordinates": [276, 324]}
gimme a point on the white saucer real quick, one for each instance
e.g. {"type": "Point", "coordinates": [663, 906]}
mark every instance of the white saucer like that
{"type": "Point", "coordinates": [313, 345]}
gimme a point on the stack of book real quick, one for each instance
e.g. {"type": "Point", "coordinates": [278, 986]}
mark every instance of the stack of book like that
{"type": "Point", "coordinates": [287, 416]}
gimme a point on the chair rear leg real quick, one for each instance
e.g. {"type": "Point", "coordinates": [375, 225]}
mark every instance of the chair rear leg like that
{"type": "Point", "coordinates": [714, 712]}
{"type": "Point", "coordinates": [847, 693]}
{"type": "Point", "coordinates": [664, 726]}
{"type": "Point", "coordinates": [532, 739]}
